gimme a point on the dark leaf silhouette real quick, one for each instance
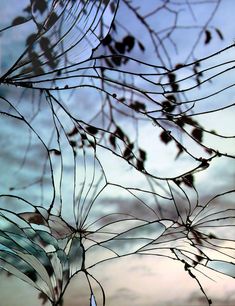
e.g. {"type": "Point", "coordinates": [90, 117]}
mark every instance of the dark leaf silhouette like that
{"type": "Point", "coordinates": [113, 6]}
{"type": "Point", "coordinates": [39, 5]}
{"type": "Point", "coordinates": [107, 40]}
{"type": "Point", "coordinates": [112, 140]}
{"type": "Point", "coordinates": [142, 154]}
{"type": "Point", "coordinates": [51, 20]}
{"type": "Point", "coordinates": [31, 39]}
{"type": "Point", "coordinates": [141, 46]}
{"type": "Point", "coordinates": [171, 98]}
{"type": "Point", "coordinates": [129, 42]}
{"type": "Point", "coordinates": [197, 133]}
{"type": "Point", "coordinates": [165, 137]}
{"type": "Point", "coordinates": [168, 107]}
{"type": "Point", "coordinates": [208, 37]}
{"type": "Point", "coordinates": [73, 132]}
{"type": "Point", "coordinates": [179, 65]}
{"type": "Point", "coordinates": [119, 132]}
{"type": "Point", "coordinates": [172, 77]}
{"type": "Point", "coordinates": [219, 33]}
{"type": "Point", "coordinates": [92, 130]}
{"type": "Point", "coordinates": [117, 60]}
{"type": "Point", "coordinates": [140, 165]}
{"type": "Point", "coordinates": [188, 180]}
{"type": "Point", "coordinates": [73, 143]}
{"type": "Point", "coordinates": [127, 154]}
{"type": "Point", "coordinates": [56, 152]}
{"type": "Point", "coordinates": [19, 20]}
{"type": "Point", "coordinates": [45, 46]}
{"type": "Point", "coordinates": [138, 106]}
{"type": "Point", "coordinates": [180, 150]}
{"type": "Point", "coordinates": [120, 47]}
{"type": "Point", "coordinates": [36, 63]}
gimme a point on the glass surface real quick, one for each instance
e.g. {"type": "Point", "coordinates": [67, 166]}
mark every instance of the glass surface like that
{"type": "Point", "coordinates": [117, 153]}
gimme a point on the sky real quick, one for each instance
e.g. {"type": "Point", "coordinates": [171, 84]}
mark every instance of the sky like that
{"type": "Point", "coordinates": [139, 281]}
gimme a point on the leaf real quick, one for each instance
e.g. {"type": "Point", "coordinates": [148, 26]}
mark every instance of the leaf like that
{"type": "Point", "coordinates": [172, 98]}
{"type": "Point", "coordinates": [204, 163]}
{"type": "Point", "coordinates": [39, 5]}
{"type": "Point", "coordinates": [19, 20]}
{"type": "Point", "coordinates": [138, 106]}
{"type": "Point", "coordinates": [107, 61]}
{"type": "Point", "coordinates": [112, 50]}
{"type": "Point", "coordinates": [120, 133]}
{"type": "Point", "coordinates": [51, 20]}
{"type": "Point", "coordinates": [44, 43]}
{"type": "Point", "coordinates": [209, 151]}
{"type": "Point", "coordinates": [207, 37]}
{"type": "Point", "coordinates": [180, 150]}
{"type": "Point", "coordinates": [178, 66]}
{"type": "Point", "coordinates": [92, 130]}
{"type": "Point", "coordinates": [73, 143]}
{"type": "Point", "coordinates": [167, 106]}
{"type": "Point", "coordinates": [127, 154]}
{"type": "Point", "coordinates": [171, 77]}
{"type": "Point", "coordinates": [117, 60]}
{"type": "Point", "coordinates": [27, 9]}
{"type": "Point", "coordinates": [219, 33]}
{"type": "Point", "coordinates": [48, 52]}
{"type": "Point", "coordinates": [113, 7]}
{"type": "Point", "coordinates": [73, 132]}
{"type": "Point", "coordinates": [26, 70]}
{"type": "Point", "coordinates": [174, 87]}
{"type": "Point", "coordinates": [36, 218]}
{"type": "Point", "coordinates": [165, 137]}
{"type": "Point", "coordinates": [31, 39]}
{"type": "Point", "coordinates": [55, 151]}
{"type": "Point", "coordinates": [112, 140]}
{"type": "Point", "coordinates": [142, 154]}
{"type": "Point", "coordinates": [120, 47]}
{"type": "Point", "coordinates": [140, 165]}
{"type": "Point", "coordinates": [122, 99]}
{"type": "Point", "coordinates": [83, 136]}
{"type": "Point", "coordinates": [129, 42]}
{"type": "Point", "coordinates": [37, 69]}
{"type": "Point", "coordinates": [211, 236]}
{"type": "Point", "coordinates": [185, 120]}
{"type": "Point", "coordinates": [188, 180]}
{"type": "Point", "coordinates": [113, 27]}
{"type": "Point", "coordinates": [107, 40]}
{"type": "Point", "coordinates": [141, 46]}
{"type": "Point", "coordinates": [197, 133]}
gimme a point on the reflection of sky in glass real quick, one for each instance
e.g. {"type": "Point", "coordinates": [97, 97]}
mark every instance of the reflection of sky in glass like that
{"type": "Point", "coordinates": [143, 281]}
